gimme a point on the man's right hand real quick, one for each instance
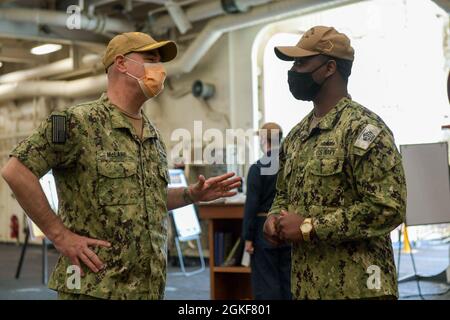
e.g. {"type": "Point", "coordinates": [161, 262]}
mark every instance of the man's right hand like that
{"type": "Point", "coordinates": [270, 230]}
{"type": "Point", "coordinates": [249, 247]}
{"type": "Point", "coordinates": [76, 248]}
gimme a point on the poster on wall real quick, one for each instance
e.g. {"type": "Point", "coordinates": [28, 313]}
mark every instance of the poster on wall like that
{"type": "Point", "coordinates": [49, 187]}
{"type": "Point", "coordinates": [184, 218]}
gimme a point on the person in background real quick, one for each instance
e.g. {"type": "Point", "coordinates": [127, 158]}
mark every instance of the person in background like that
{"type": "Point", "coordinates": [271, 266]}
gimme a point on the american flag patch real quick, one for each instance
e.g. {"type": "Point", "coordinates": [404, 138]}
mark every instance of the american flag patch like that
{"type": "Point", "coordinates": [58, 129]}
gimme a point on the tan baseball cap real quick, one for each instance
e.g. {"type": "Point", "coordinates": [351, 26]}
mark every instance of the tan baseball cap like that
{"type": "Point", "coordinates": [137, 42]}
{"type": "Point", "coordinates": [319, 40]}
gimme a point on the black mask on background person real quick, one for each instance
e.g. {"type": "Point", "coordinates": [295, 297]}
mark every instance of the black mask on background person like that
{"type": "Point", "coordinates": [302, 85]}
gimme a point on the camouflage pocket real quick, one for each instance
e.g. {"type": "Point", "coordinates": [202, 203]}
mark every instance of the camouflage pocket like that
{"type": "Point", "coordinates": [325, 181]}
{"type": "Point", "coordinates": [118, 183]}
{"type": "Point", "coordinates": [162, 183]}
{"type": "Point", "coordinates": [161, 149]}
{"type": "Point", "coordinates": [325, 167]}
{"type": "Point", "coordinates": [287, 168]}
{"type": "Point", "coordinates": [164, 175]}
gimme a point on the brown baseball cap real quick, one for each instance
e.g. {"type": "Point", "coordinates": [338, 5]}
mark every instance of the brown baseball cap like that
{"type": "Point", "coordinates": [319, 40]}
{"type": "Point", "coordinates": [138, 42]}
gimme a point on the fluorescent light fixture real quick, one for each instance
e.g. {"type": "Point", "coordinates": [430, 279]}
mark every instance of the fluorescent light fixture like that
{"type": "Point", "coordinates": [46, 48]}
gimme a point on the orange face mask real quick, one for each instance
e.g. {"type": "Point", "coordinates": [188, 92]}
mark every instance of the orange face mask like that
{"type": "Point", "coordinates": [152, 83]}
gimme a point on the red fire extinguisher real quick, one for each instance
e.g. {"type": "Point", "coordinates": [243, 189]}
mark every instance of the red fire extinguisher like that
{"type": "Point", "coordinates": [14, 227]}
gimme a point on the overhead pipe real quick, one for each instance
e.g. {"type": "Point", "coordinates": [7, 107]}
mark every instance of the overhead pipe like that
{"type": "Point", "coordinates": [205, 11]}
{"type": "Point", "coordinates": [97, 23]}
{"type": "Point", "coordinates": [212, 32]}
{"type": "Point", "coordinates": [263, 14]}
{"type": "Point", "coordinates": [51, 69]}
{"type": "Point", "coordinates": [67, 89]}
{"type": "Point", "coordinates": [178, 16]}
{"type": "Point", "coordinates": [444, 4]}
{"type": "Point", "coordinates": [38, 72]}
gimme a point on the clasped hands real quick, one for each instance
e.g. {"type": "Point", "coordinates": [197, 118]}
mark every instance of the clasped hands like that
{"type": "Point", "coordinates": [282, 228]}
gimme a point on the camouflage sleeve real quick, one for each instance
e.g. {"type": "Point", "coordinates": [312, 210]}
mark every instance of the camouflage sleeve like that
{"type": "Point", "coordinates": [53, 144]}
{"type": "Point", "coordinates": [280, 201]}
{"type": "Point", "coordinates": [379, 183]}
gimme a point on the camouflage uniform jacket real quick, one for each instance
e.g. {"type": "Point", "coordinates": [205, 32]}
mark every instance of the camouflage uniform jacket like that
{"type": "Point", "coordinates": [346, 174]}
{"type": "Point", "coordinates": [111, 186]}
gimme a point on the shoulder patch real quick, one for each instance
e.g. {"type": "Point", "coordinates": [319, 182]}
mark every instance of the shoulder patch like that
{"type": "Point", "coordinates": [367, 136]}
{"type": "Point", "coordinates": [58, 128]}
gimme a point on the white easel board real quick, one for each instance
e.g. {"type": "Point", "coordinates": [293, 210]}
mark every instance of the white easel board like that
{"type": "Point", "coordinates": [428, 183]}
{"type": "Point", "coordinates": [185, 218]}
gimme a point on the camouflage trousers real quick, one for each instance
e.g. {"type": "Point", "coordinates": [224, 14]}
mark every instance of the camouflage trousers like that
{"type": "Point", "coordinates": [388, 297]}
{"type": "Point", "coordinates": [74, 296]}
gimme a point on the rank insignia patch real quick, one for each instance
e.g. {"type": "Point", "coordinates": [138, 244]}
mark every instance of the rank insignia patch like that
{"type": "Point", "coordinates": [367, 136]}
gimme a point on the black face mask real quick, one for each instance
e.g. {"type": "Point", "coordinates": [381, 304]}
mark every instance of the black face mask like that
{"type": "Point", "coordinates": [302, 85]}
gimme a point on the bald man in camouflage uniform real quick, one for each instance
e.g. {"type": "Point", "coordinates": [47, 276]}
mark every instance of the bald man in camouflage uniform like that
{"type": "Point", "coordinates": [341, 188]}
{"type": "Point", "coordinates": [111, 171]}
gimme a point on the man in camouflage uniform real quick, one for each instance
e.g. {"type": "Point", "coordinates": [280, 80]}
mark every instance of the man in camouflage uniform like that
{"type": "Point", "coordinates": [111, 172]}
{"type": "Point", "coordinates": [341, 188]}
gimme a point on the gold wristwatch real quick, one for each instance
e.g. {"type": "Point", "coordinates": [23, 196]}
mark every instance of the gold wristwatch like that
{"type": "Point", "coordinates": [306, 228]}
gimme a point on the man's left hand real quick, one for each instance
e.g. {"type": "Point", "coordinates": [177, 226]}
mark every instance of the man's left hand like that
{"type": "Point", "coordinates": [214, 188]}
{"type": "Point", "coordinates": [289, 226]}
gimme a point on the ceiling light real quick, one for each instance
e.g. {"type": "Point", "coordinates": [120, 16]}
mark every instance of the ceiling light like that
{"type": "Point", "coordinates": [46, 48]}
{"type": "Point", "coordinates": [1, 64]}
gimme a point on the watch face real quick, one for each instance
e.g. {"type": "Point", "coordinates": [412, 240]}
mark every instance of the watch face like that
{"type": "Point", "coordinates": [307, 227]}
